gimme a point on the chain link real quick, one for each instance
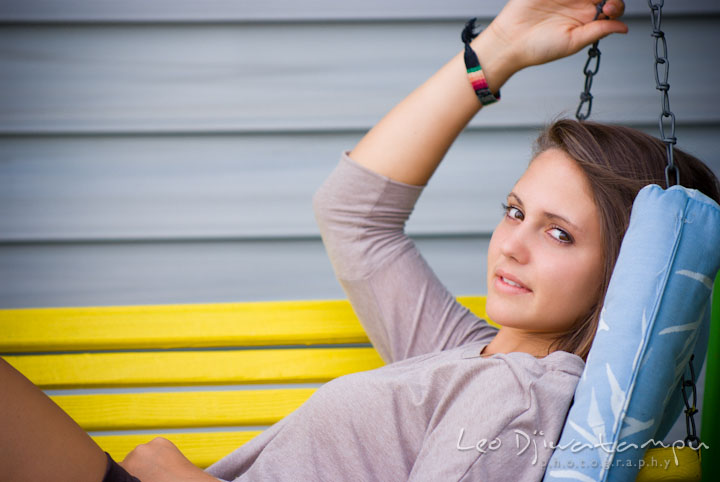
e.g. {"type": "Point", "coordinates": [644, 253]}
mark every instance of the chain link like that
{"type": "Point", "coordinates": [586, 97]}
{"type": "Point", "coordinates": [662, 72]}
{"type": "Point", "coordinates": [692, 440]}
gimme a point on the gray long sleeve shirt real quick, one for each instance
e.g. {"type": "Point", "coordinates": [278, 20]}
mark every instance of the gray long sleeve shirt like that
{"type": "Point", "coordinates": [437, 411]}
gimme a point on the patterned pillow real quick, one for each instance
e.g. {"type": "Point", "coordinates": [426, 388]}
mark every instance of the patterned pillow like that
{"type": "Point", "coordinates": [656, 315]}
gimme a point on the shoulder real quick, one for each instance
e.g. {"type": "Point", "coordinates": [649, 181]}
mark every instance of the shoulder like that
{"type": "Point", "coordinates": [529, 372]}
{"type": "Point", "coordinates": [520, 388]}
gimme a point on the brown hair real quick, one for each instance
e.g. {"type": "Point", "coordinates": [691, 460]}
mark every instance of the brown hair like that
{"type": "Point", "coordinates": [618, 161]}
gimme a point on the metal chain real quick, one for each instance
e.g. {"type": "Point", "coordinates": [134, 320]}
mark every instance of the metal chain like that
{"type": "Point", "coordinates": [593, 53]}
{"type": "Point", "coordinates": [662, 70]}
{"type": "Point", "coordinates": [692, 440]}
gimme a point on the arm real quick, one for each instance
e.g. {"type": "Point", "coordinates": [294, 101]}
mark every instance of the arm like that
{"type": "Point", "coordinates": [402, 305]}
{"type": "Point", "coordinates": [362, 207]}
{"type": "Point", "coordinates": [409, 143]}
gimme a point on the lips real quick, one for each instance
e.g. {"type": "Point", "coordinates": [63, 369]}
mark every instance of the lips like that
{"type": "Point", "coordinates": [511, 282]}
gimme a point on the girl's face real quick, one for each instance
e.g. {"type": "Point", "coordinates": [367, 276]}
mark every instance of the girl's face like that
{"type": "Point", "coordinates": [545, 259]}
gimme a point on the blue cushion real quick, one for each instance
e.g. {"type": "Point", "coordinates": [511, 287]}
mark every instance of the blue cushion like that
{"type": "Point", "coordinates": [656, 315]}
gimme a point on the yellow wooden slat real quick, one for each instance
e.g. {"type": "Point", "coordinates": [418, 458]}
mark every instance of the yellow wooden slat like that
{"type": "Point", "coordinates": [153, 410]}
{"type": "Point", "coordinates": [186, 326]}
{"type": "Point", "coordinates": [202, 448]}
{"type": "Point", "coordinates": [659, 464]}
{"type": "Point", "coordinates": [193, 367]}
{"type": "Point", "coordinates": [173, 326]}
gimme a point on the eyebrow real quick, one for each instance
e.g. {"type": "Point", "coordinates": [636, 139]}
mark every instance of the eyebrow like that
{"type": "Point", "coordinates": [547, 214]}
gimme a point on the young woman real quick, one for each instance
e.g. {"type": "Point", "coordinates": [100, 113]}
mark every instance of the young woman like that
{"type": "Point", "coordinates": [456, 394]}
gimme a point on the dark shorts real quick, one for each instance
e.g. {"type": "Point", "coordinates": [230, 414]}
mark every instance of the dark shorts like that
{"type": "Point", "coordinates": [115, 473]}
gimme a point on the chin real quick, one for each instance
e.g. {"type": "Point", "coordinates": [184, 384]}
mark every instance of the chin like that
{"type": "Point", "coordinates": [503, 315]}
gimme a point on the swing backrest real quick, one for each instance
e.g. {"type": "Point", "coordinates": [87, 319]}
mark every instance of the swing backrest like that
{"type": "Point", "coordinates": [656, 315]}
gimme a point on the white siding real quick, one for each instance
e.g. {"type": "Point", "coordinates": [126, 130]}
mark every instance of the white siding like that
{"type": "Point", "coordinates": [123, 139]}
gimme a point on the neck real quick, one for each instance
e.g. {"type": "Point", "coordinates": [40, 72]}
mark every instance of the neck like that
{"type": "Point", "coordinates": [510, 340]}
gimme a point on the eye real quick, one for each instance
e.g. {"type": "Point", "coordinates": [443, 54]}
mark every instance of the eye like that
{"type": "Point", "coordinates": [513, 212]}
{"type": "Point", "coordinates": [561, 235]}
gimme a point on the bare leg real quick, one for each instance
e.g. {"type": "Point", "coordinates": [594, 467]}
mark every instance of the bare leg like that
{"type": "Point", "coordinates": [38, 441]}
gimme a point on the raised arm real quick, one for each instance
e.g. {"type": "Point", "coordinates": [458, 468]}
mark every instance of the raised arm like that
{"type": "Point", "coordinates": [408, 144]}
{"type": "Point", "coordinates": [362, 207]}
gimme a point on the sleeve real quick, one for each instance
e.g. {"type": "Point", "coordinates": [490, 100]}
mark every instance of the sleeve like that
{"type": "Point", "coordinates": [403, 306]}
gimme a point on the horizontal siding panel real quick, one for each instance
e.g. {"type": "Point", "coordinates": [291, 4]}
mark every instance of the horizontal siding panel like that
{"type": "Point", "coordinates": [248, 78]}
{"type": "Point", "coordinates": [228, 10]}
{"type": "Point", "coordinates": [195, 187]}
{"type": "Point", "coordinates": [241, 187]}
{"type": "Point", "coordinates": [112, 274]}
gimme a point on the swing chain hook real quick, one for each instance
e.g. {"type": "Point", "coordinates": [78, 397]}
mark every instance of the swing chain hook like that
{"type": "Point", "coordinates": [692, 440]}
{"type": "Point", "coordinates": [662, 71]}
{"type": "Point", "coordinates": [586, 97]}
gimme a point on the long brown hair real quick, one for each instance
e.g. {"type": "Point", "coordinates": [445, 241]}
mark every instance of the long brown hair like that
{"type": "Point", "coordinates": [618, 161]}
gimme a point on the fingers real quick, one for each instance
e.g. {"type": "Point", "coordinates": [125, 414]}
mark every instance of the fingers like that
{"type": "Point", "coordinates": [596, 30]}
{"type": "Point", "coordinates": [161, 461]}
{"type": "Point", "coordinates": [614, 8]}
{"type": "Point", "coordinates": [148, 451]}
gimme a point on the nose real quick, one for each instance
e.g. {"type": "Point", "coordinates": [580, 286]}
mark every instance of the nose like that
{"type": "Point", "coordinates": [515, 244]}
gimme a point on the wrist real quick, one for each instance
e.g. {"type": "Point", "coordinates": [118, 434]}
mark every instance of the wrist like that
{"type": "Point", "coordinates": [495, 58]}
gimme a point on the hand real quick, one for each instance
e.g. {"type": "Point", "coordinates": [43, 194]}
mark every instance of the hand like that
{"type": "Point", "coordinates": [532, 32]}
{"type": "Point", "coordinates": [161, 461]}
